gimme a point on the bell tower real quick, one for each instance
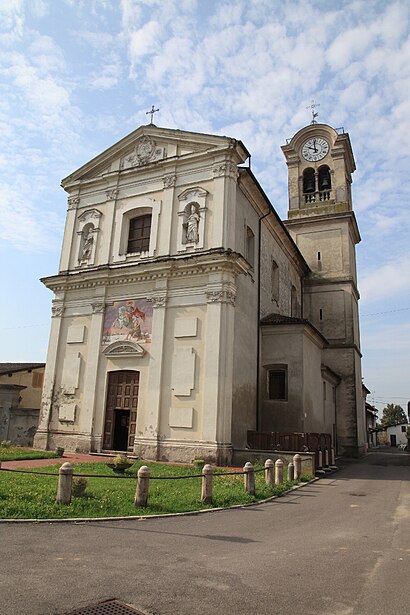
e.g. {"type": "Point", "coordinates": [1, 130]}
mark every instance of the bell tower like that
{"type": "Point", "coordinates": [322, 223]}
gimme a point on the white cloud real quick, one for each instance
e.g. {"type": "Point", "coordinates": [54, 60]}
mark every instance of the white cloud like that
{"type": "Point", "coordinates": [389, 279]}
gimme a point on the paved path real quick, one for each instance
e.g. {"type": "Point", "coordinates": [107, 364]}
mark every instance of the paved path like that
{"type": "Point", "coordinates": [42, 463]}
{"type": "Point", "coordinates": [340, 546]}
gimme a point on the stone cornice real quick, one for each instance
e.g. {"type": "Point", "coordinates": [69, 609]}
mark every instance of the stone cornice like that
{"type": "Point", "coordinates": [212, 261]}
{"type": "Point", "coordinates": [311, 281]}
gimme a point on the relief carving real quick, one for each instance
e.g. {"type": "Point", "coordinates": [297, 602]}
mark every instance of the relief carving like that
{"type": "Point", "coordinates": [169, 181]}
{"type": "Point", "coordinates": [158, 301]}
{"type": "Point", "coordinates": [98, 307]}
{"type": "Point", "coordinates": [226, 168]}
{"type": "Point", "coordinates": [73, 201]}
{"type": "Point", "coordinates": [221, 296]}
{"type": "Point", "coordinates": [111, 194]}
{"type": "Point", "coordinates": [57, 311]}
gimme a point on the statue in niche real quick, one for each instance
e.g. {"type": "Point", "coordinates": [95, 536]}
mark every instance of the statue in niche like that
{"type": "Point", "coordinates": [192, 224]}
{"type": "Point", "coordinates": [88, 246]}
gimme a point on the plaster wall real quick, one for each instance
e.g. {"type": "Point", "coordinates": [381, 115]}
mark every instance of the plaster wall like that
{"type": "Point", "coordinates": [245, 327]}
{"type": "Point", "coordinates": [278, 298]}
{"type": "Point", "coordinates": [281, 345]}
{"type": "Point", "coordinates": [350, 419]}
{"type": "Point", "coordinates": [396, 430]}
{"type": "Point", "coordinates": [31, 394]}
{"type": "Point", "coordinates": [312, 400]}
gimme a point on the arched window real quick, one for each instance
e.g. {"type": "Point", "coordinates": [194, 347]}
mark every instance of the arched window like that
{"type": "Point", "coordinates": [139, 234]}
{"type": "Point", "coordinates": [324, 178]}
{"type": "Point", "coordinates": [250, 246]}
{"type": "Point", "coordinates": [308, 181]}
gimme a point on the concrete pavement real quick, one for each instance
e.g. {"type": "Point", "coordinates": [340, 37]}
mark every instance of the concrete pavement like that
{"type": "Point", "coordinates": [340, 546]}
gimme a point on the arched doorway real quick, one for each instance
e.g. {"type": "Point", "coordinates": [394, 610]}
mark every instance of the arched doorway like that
{"type": "Point", "coordinates": [121, 410]}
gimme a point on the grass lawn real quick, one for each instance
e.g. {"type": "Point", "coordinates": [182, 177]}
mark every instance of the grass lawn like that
{"type": "Point", "coordinates": [24, 496]}
{"type": "Point", "coordinates": [15, 453]}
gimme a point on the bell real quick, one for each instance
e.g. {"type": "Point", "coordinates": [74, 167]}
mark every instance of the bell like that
{"type": "Point", "coordinates": [310, 184]}
{"type": "Point", "coordinates": [325, 182]}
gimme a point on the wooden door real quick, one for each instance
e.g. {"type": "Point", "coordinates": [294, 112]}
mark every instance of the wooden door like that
{"type": "Point", "coordinates": [122, 395]}
{"type": "Point", "coordinates": [393, 440]}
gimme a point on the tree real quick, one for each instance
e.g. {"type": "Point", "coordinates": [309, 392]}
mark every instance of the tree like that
{"type": "Point", "coordinates": [393, 415]}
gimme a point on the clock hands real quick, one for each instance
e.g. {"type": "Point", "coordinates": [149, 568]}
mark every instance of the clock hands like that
{"type": "Point", "coordinates": [314, 146]}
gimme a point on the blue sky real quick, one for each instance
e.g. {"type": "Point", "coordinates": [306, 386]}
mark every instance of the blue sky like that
{"type": "Point", "coordinates": [78, 75]}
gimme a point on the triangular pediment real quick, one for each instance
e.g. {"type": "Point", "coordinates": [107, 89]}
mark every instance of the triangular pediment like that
{"type": "Point", "coordinates": [147, 145]}
{"type": "Point", "coordinates": [124, 349]}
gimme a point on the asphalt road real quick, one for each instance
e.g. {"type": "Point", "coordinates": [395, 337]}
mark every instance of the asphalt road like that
{"type": "Point", "coordinates": [339, 546]}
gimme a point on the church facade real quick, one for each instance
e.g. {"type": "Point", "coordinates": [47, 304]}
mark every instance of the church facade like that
{"type": "Point", "coordinates": [187, 313]}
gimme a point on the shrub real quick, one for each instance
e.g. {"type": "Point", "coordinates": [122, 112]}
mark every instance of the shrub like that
{"type": "Point", "coordinates": [5, 444]}
{"type": "Point", "coordinates": [79, 486]}
{"type": "Point", "coordinates": [198, 463]}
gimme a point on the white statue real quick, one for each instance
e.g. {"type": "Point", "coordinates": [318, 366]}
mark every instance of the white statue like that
{"type": "Point", "coordinates": [192, 224]}
{"type": "Point", "coordinates": [88, 246]}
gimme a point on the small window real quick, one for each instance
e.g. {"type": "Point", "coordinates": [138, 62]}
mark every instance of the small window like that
{"type": "Point", "coordinates": [278, 384]}
{"type": "Point", "coordinates": [294, 310]}
{"type": "Point", "coordinates": [403, 428]}
{"type": "Point", "coordinates": [324, 390]}
{"type": "Point", "coordinates": [320, 314]}
{"type": "Point", "coordinates": [275, 281]}
{"type": "Point", "coordinates": [139, 234]}
{"type": "Point", "coordinates": [250, 246]}
{"type": "Point", "coordinates": [318, 256]}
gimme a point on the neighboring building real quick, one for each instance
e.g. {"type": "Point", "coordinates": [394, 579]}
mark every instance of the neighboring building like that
{"type": "Point", "coordinates": [371, 421]}
{"type": "Point", "coordinates": [187, 313]}
{"type": "Point", "coordinates": [397, 434]}
{"type": "Point", "coordinates": [20, 399]}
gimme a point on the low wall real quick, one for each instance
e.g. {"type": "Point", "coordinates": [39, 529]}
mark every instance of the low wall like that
{"type": "Point", "coordinates": [19, 426]}
{"type": "Point", "coordinates": [241, 456]}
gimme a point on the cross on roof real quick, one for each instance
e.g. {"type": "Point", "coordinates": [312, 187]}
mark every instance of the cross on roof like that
{"type": "Point", "coordinates": [312, 107]}
{"type": "Point", "coordinates": [151, 113]}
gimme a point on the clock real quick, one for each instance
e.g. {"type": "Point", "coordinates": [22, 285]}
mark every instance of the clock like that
{"type": "Point", "coordinates": [315, 149]}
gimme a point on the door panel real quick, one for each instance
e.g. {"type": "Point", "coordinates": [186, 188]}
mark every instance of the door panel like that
{"type": "Point", "coordinates": [122, 394]}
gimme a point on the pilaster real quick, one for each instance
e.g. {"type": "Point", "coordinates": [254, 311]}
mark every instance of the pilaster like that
{"type": "Point", "coordinates": [92, 363]}
{"type": "Point", "coordinates": [147, 446]}
{"type": "Point", "coordinates": [42, 435]}
{"type": "Point", "coordinates": [69, 235]}
{"type": "Point", "coordinates": [218, 366]}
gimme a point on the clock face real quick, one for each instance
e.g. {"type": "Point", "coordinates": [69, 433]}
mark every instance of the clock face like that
{"type": "Point", "coordinates": [315, 149]}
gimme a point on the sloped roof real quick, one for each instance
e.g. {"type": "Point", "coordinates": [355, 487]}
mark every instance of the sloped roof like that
{"type": "Point", "coordinates": [9, 368]}
{"type": "Point", "coordinates": [280, 319]}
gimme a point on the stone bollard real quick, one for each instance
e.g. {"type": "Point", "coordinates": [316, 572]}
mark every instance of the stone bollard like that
{"type": "Point", "coordinates": [249, 478]}
{"type": "Point", "coordinates": [278, 471]}
{"type": "Point", "coordinates": [291, 471]}
{"type": "Point", "coordinates": [319, 470]}
{"type": "Point", "coordinates": [333, 465]}
{"type": "Point", "coordinates": [326, 465]}
{"type": "Point", "coordinates": [269, 475]}
{"type": "Point", "coordinates": [65, 481]}
{"type": "Point", "coordinates": [206, 495]}
{"type": "Point", "coordinates": [141, 494]}
{"type": "Point", "coordinates": [297, 460]}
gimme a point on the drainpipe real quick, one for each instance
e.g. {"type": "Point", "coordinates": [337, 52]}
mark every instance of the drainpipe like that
{"type": "Point", "coordinates": [258, 343]}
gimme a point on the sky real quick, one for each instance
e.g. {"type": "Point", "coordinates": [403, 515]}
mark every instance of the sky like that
{"type": "Point", "coordinates": [78, 75]}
